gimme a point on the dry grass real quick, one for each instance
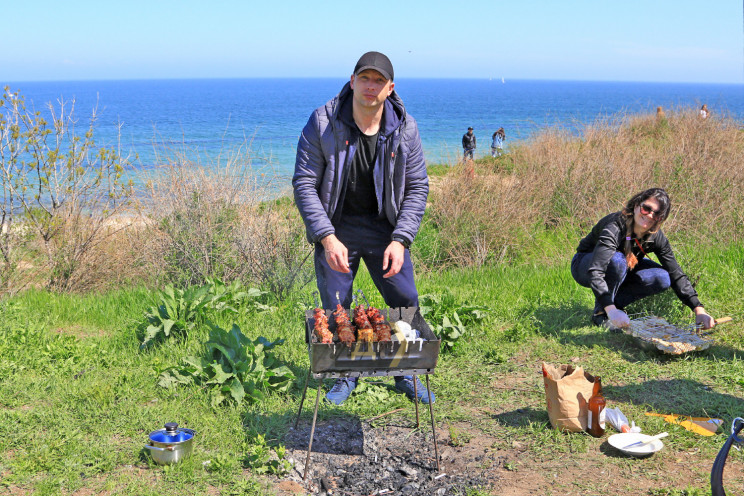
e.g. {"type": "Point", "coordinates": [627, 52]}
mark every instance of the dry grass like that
{"type": "Point", "coordinates": [558, 182]}
{"type": "Point", "coordinates": [221, 219]}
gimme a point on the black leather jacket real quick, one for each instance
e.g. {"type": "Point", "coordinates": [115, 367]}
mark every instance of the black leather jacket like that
{"type": "Point", "coordinates": [608, 237]}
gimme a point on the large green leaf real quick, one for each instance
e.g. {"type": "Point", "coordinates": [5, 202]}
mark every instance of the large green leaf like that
{"type": "Point", "coordinates": [235, 388]}
{"type": "Point", "coordinates": [218, 374]}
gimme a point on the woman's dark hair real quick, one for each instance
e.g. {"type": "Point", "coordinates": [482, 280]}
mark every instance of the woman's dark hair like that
{"type": "Point", "coordinates": [629, 213]}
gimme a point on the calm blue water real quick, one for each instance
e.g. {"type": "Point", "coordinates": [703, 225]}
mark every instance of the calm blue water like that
{"type": "Point", "coordinates": [209, 116]}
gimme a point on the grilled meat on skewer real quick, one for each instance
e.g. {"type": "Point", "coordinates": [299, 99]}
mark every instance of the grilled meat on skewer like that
{"type": "Point", "coordinates": [321, 326]}
{"type": "Point", "coordinates": [382, 328]}
{"type": "Point", "coordinates": [343, 326]}
{"type": "Point", "coordinates": [382, 331]}
{"type": "Point", "coordinates": [364, 328]}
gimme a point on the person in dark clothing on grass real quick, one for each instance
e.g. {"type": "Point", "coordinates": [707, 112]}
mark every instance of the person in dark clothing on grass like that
{"type": "Point", "coordinates": [361, 185]}
{"type": "Point", "coordinates": [468, 144]}
{"type": "Point", "coordinates": [613, 261]}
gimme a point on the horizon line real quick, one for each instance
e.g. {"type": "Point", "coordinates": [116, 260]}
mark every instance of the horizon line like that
{"type": "Point", "coordinates": [243, 78]}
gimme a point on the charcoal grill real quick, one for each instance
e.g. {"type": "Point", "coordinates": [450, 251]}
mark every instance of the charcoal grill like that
{"type": "Point", "coordinates": [361, 359]}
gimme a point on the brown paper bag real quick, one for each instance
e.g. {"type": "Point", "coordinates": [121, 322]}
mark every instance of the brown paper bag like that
{"type": "Point", "coordinates": [567, 391]}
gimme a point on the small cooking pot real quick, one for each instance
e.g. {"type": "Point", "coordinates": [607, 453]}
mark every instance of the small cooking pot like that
{"type": "Point", "coordinates": [170, 444]}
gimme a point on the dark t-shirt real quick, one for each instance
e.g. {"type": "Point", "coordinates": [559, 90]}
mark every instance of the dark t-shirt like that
{"type": "Point", "coordinates": [359, 197]}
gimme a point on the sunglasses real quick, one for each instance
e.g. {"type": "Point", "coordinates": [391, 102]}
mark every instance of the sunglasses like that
{"type": "Point", "coordinates": [647, 210]}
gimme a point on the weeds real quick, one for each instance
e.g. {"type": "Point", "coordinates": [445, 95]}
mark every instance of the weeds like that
{"type": "Point", "coordinates": [234, 367]}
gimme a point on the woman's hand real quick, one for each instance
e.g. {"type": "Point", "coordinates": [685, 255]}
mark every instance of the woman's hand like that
{"type": "Point", "coordinates": [703, 319]}
{"type": "Point", "coordinates": [617, 318]}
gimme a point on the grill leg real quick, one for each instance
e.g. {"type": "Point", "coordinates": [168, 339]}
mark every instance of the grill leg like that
{"type": "Point", "coordinates": [415, 401]}
{"type": "Point", "coordinates": [433, 426]}
{"type": "Point", "coordinates": [312, 433]}
{"type": "Point", "coordinates": [302, 401]}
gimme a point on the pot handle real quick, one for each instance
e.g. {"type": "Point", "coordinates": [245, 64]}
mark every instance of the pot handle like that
{"type": "Point", "coordinates": [150, 447]}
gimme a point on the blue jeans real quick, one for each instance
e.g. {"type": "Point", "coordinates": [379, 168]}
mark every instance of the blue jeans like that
{"type": "Point", "coordinates": [468, 152]}
{"type": "Point", "coordinates": [626, 286]}
{"type": "Point", "coordinates": [366, 238]}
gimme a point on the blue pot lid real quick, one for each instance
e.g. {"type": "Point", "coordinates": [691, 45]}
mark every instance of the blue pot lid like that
{"type": "Point", "coordinates": [171, 434]}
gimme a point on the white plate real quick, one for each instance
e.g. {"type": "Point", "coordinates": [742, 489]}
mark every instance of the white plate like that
{"type": "Point", "coordinates": [620, 441]}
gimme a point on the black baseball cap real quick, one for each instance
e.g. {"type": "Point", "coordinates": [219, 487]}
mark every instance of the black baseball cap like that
{"type": "Point", "coordinates": [376, 61]}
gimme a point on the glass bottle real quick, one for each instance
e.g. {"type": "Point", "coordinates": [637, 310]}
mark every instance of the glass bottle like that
{"type": "Point", "coordinates": [596, 422]}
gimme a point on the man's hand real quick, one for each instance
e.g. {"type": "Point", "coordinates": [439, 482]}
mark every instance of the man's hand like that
{"type": "Point", "coordinates": [703, 319]}
{"type": "Point", "coordinates": [393, 258]}
{"type": "Point", "coordinates": [336, 253]}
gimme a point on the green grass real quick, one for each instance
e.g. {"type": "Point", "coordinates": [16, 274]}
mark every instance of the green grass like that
{"type": "Point", "coordinates": [78, 397]}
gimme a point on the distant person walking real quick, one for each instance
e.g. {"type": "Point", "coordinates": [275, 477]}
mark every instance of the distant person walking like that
{"type": "Point", "coordinates": [497, 145]}
{"type": "Point", "coordinates": [468, 144]}
{"type": "Point", "coordinates": [704, 112]}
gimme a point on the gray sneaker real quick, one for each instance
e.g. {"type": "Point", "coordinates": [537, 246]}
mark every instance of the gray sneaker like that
{"type": "Point", "coordinates": [341, 390]}
{"type": "Point", "coordinates": [405, 385]}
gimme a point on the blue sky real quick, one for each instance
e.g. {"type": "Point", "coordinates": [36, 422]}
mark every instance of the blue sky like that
{"type": "Point", "coordinates": [651, 40]}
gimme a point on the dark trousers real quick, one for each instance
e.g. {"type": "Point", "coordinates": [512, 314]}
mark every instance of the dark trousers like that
{"type": "Point", "coordinates": [366, 238]}
{"type": "Point", "coordinates": [626, 286]}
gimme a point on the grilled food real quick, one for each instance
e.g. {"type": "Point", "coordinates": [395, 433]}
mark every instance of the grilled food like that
{"type": "Point", "coordinates": [382, 328]}
{"type": "Point", "coordinates": [344, 329]}
{"type": "Point", "coordinates": [321, 326]}
{"type": "Point", "coordinates": [365, 330]}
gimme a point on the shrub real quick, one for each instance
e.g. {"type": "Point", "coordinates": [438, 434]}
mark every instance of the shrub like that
{"type": "Point", "coordinates": [58, 185]}
{"type": "Point", "coordinates": [221, 222]}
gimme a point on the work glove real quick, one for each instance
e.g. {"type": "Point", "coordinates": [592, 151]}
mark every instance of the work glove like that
{"type": "Point", "coordinates": [618, 318]}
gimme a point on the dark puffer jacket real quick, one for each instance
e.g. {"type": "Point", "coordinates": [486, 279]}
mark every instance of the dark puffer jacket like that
{"type": "Point", "coordinates": [325, 151]}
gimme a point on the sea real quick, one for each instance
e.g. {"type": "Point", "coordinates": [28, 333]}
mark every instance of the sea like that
{"type": "Point", "coordinates": [209, 119]}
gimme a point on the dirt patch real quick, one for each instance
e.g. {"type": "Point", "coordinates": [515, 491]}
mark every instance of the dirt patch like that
{"type": "Point", "coordinates": [352, 458]}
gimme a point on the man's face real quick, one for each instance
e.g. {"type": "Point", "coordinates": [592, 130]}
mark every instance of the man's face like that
{"type": "Point", "coordinates": [371, 88]}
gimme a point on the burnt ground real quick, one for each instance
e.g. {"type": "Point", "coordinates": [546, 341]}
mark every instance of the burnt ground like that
{"type": "Point", "coordinates": [392, 457]}
{"type": "Point", "coordinates": [355, 458]}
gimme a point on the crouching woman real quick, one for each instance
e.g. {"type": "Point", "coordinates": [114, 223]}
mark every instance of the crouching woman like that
{"type": "Point", "coordinates": [613, 261]}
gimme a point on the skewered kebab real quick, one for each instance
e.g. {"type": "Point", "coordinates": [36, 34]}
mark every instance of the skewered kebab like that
{"type": "Point", "coordinates": [321, 326]}
{"type": "Point", "coordinates": [382, 329]}
{"type": "Point", "coordinates": [343, 325]}
{"type": "Point", "coordinates": [321, 322]}
{"type": "Point", "coordinates": [364, 327]}
{"type": "Point", "coordinates": [322, 332]}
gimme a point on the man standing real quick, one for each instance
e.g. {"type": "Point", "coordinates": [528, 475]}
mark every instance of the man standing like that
{"type": "Point", "coordinates": [468, 144]}
{"type": "Point", "coordinates": [361, 185]}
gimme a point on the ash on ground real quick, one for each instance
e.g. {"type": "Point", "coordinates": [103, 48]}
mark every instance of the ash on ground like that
{"type": "Point", "coordinates": [354, 458]}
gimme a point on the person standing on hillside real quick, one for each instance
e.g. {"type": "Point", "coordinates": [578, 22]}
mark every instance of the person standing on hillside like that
{"type": "Point", "coordinates": [360, 184]}
{"type": "Point", "coordinates": [613, 261]}
{"type": "Point", "coordinates": [497, 143]}
{"type": "Point", "coordinates": [468, 144]}
{"type": "Point", "coordinates": [704, 112]}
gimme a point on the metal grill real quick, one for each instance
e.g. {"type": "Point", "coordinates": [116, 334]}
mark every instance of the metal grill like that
{"type": "Point", "coordinates": [396, 357]}
{"type": "Point", "coordinates": [652, 332]}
